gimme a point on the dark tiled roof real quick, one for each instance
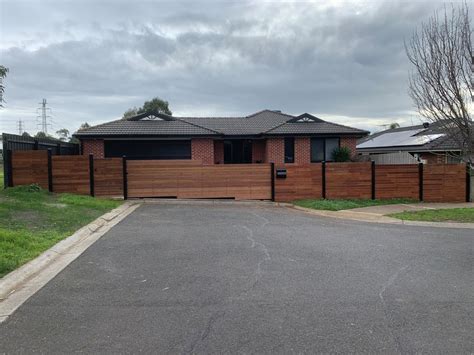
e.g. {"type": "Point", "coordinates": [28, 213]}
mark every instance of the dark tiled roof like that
{"type": "Point", "coordinates": [315, 128]}
{"type": "Point", "coordinates": [145, 128]}
{"type": "Point", "coordinates": [265, 122]}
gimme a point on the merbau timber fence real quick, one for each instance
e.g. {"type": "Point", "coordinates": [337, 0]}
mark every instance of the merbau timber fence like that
{"type": "Point", "coordinates": [278, 182]}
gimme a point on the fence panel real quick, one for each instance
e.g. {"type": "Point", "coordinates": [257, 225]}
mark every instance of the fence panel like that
{"type": "Point", "coordinates": [108, 177]}
{"type": "Point", "coordinates": [302, 182]}
{"type": "Point", "coordinates": [443, 183]}
{"type": "Point", "coordinates": [348, 180]}
{"type": "Point", "coordinates": [151, 178]}
{"type": "Point", "coordinates": [30, 167]}
{"type": "Point", "coordinates": [71, 174]}
{"type": "Point", "coordinates": [397, 181]}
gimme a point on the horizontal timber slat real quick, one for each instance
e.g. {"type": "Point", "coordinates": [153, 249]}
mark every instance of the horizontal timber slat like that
{"type": "Point", "coordinates": [30, 167]}
{"type": "Point", "coordinates": [150, 178]}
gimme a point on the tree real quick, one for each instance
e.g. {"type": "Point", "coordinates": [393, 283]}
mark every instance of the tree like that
{"type": "Point", "coordinates": [440, 83]}
{"type": "Point", "coordinates": [130, 113]}
{"type": "Point", "coordinates": [3, 74]}
{"type": "Point", "coordinates": [41, 135]}
{"type": "Point", "coordinates": [394, 125]}
{"type": "Point", "coordinates": [155, 105]}
{"type": "Point", "coordinates": [63, 134]}
{"type": "Point", "coordinates": [85, 125]}
{"type": "Point", "coordinates": [25, 134]}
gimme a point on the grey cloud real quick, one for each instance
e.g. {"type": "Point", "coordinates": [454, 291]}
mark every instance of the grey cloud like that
{"type": "Point", "coordinates": [216, 59]}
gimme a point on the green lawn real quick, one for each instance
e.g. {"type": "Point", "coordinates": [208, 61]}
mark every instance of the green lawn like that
{"type": "Point", "coordinates": [464, 215]}
{"type": "Point", "coordinates": [32, 220]}
{"type": "Point", "coordinates": [337, 205]}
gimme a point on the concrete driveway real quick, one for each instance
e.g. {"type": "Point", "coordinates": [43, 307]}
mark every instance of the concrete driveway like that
{"type": "Point", "coordinates": [203, 278]}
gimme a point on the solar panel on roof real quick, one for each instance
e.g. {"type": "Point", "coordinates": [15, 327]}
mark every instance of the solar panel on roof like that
{"type": "Point", "coordinates": [402, 138]}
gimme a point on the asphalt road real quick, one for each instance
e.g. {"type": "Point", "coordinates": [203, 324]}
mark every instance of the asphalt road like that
{"type": "Point", "coordinates": [231, 278]}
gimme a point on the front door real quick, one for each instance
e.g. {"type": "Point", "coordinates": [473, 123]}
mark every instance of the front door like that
{"type": "Point", "coordinates": [237, 151]}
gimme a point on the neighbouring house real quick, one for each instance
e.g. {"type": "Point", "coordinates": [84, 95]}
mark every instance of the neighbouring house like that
{"type": "Point", "coordinates": [265, 136]}
{"type": "Point", "coordinates": [426, 143]}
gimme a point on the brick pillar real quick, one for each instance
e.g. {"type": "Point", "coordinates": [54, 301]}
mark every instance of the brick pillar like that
{"type": "Point", "coordinates": [203, 149]}
{"type": "Point", "coordinates": [93, 146]}
{"type": "Point", "coordinates": [275, 151]}
{"type": "Point", "coordinates": [351, 143]}
{"type": "Point", "coordinates": [219, 152]}
{"type": "Point", "coordinates": [258, 150]}
{"type": "Point", "coordinates": [302, 150]}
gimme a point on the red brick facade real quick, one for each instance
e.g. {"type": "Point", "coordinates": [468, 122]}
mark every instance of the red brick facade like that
{"type": "Point", "coordinates": [218, 152]}
{"type": "Point", "coordinates": [275, 150]}
{"type": "Point", "coordinates": [302, 150]}
{"type": "Point", "coordinates": [258, 151]}
{"type": "Point", "coordinates": [93, 146]}
{"type": "Point", "coordinates": [349, 142]}
{"type": "Point", "coordinates": [211, 151]}
{"type": "Point", "coordinates": [203, 149]}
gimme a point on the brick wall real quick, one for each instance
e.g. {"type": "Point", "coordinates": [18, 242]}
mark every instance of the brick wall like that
{"type": "Point", "coordinates": [258, 150]}
{"type": "Point", "coordinates": [203, 149]}
{"type": "Point", "coordinates": [219, 152]}
{"type": "Point", "coordinates": [275, 151]}
{"type": "Point", "coordinates": [349, 142]}
{"type": "Point", "coordinates": [93, 146]}
{"type": "Point", "coordinates": [432, 158]}
{"type": "Point", "coordinates": [302, 150]}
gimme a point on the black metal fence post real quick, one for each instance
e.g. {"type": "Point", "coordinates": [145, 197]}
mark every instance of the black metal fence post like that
{"type": "Point", "coordinates": [36, 144]}
{"type": "Point", "coordinates": [91, 175]}
{"type": "Point", "coordinates": [124, 172]}
{"type": "Point", "coordinates": [468, 182]}
{"type": "Point", "coordinates": [272, 172]}
{"type": "Point", "coordinates": [373, 179]}
{"type": "Point", "coordinates": [420, 181]}
{"type": "Point", "coordinates": [323, 179]}
{"type": "Point", "coordinates": [8, 179]}
{"type": "Point", "coordinates": [50, 171]}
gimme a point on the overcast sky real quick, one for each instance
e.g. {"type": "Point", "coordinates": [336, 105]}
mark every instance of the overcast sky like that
{"type": "Point", "coordinates": [342, 61]}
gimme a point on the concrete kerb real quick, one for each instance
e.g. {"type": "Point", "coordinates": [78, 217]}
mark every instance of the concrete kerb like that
{"type": "Point", "coordinates": [377, 218]}
{"type": "Point", "coordinates": [20, 284]}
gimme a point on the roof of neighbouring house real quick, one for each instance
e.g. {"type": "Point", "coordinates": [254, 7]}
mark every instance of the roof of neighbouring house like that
{"type": "Point", "coordinates": [262, 123]}
{"type": "Point", "coordinates": [427, 137]}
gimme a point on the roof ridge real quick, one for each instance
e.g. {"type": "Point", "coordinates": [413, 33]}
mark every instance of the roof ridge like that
{"type": "Point", "coordinates": [272, 111]}
{"type": "Point", "coordinates": [196, 125]}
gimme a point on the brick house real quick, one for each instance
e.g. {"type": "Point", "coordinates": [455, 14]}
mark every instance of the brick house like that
{"type": "Point", "coordinates": [265, 136]}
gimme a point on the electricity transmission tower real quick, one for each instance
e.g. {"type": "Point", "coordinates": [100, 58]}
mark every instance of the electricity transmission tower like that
{"type": "Point", "coordinates": [20, 127]}
{"type": "Point", "coordinates": [44, 117]}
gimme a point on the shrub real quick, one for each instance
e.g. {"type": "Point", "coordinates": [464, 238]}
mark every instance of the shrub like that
{"type": "Point", "coordinates": [341, 154]}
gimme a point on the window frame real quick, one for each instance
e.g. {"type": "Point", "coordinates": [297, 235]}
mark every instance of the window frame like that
{"type": "Point", "coordinates": [324, 145]}
{"type": "Point", "coordinates": [285, 155]}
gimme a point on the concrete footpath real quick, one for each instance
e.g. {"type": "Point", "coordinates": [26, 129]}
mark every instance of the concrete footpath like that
{"type": "Point", "coordinates": [378, 214]}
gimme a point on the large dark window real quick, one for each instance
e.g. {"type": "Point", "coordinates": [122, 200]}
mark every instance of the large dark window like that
{"type": "Point", "coordinates": [322, 149]}
{"type": "Point", "coordinates": [289, 150]}
{"type": "Point", "coordinates": [149, 149]}
{"type": "Point", "coordinates": [237, 151]}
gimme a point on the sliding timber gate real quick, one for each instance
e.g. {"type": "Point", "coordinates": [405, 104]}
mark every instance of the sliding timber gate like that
{"type": "Point", "coordinates": [188, 179]}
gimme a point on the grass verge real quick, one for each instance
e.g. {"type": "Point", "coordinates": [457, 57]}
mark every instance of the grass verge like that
{"type": "Point", "coordinates": [337, 205]}
{"type": "Point", "coordinates": [32, 220]}
{"type": "Point", "coordinates": [463, 215]}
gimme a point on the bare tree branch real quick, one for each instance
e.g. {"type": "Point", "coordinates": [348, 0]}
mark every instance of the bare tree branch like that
{"type": "Point", "coordinates": [441, 81]}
